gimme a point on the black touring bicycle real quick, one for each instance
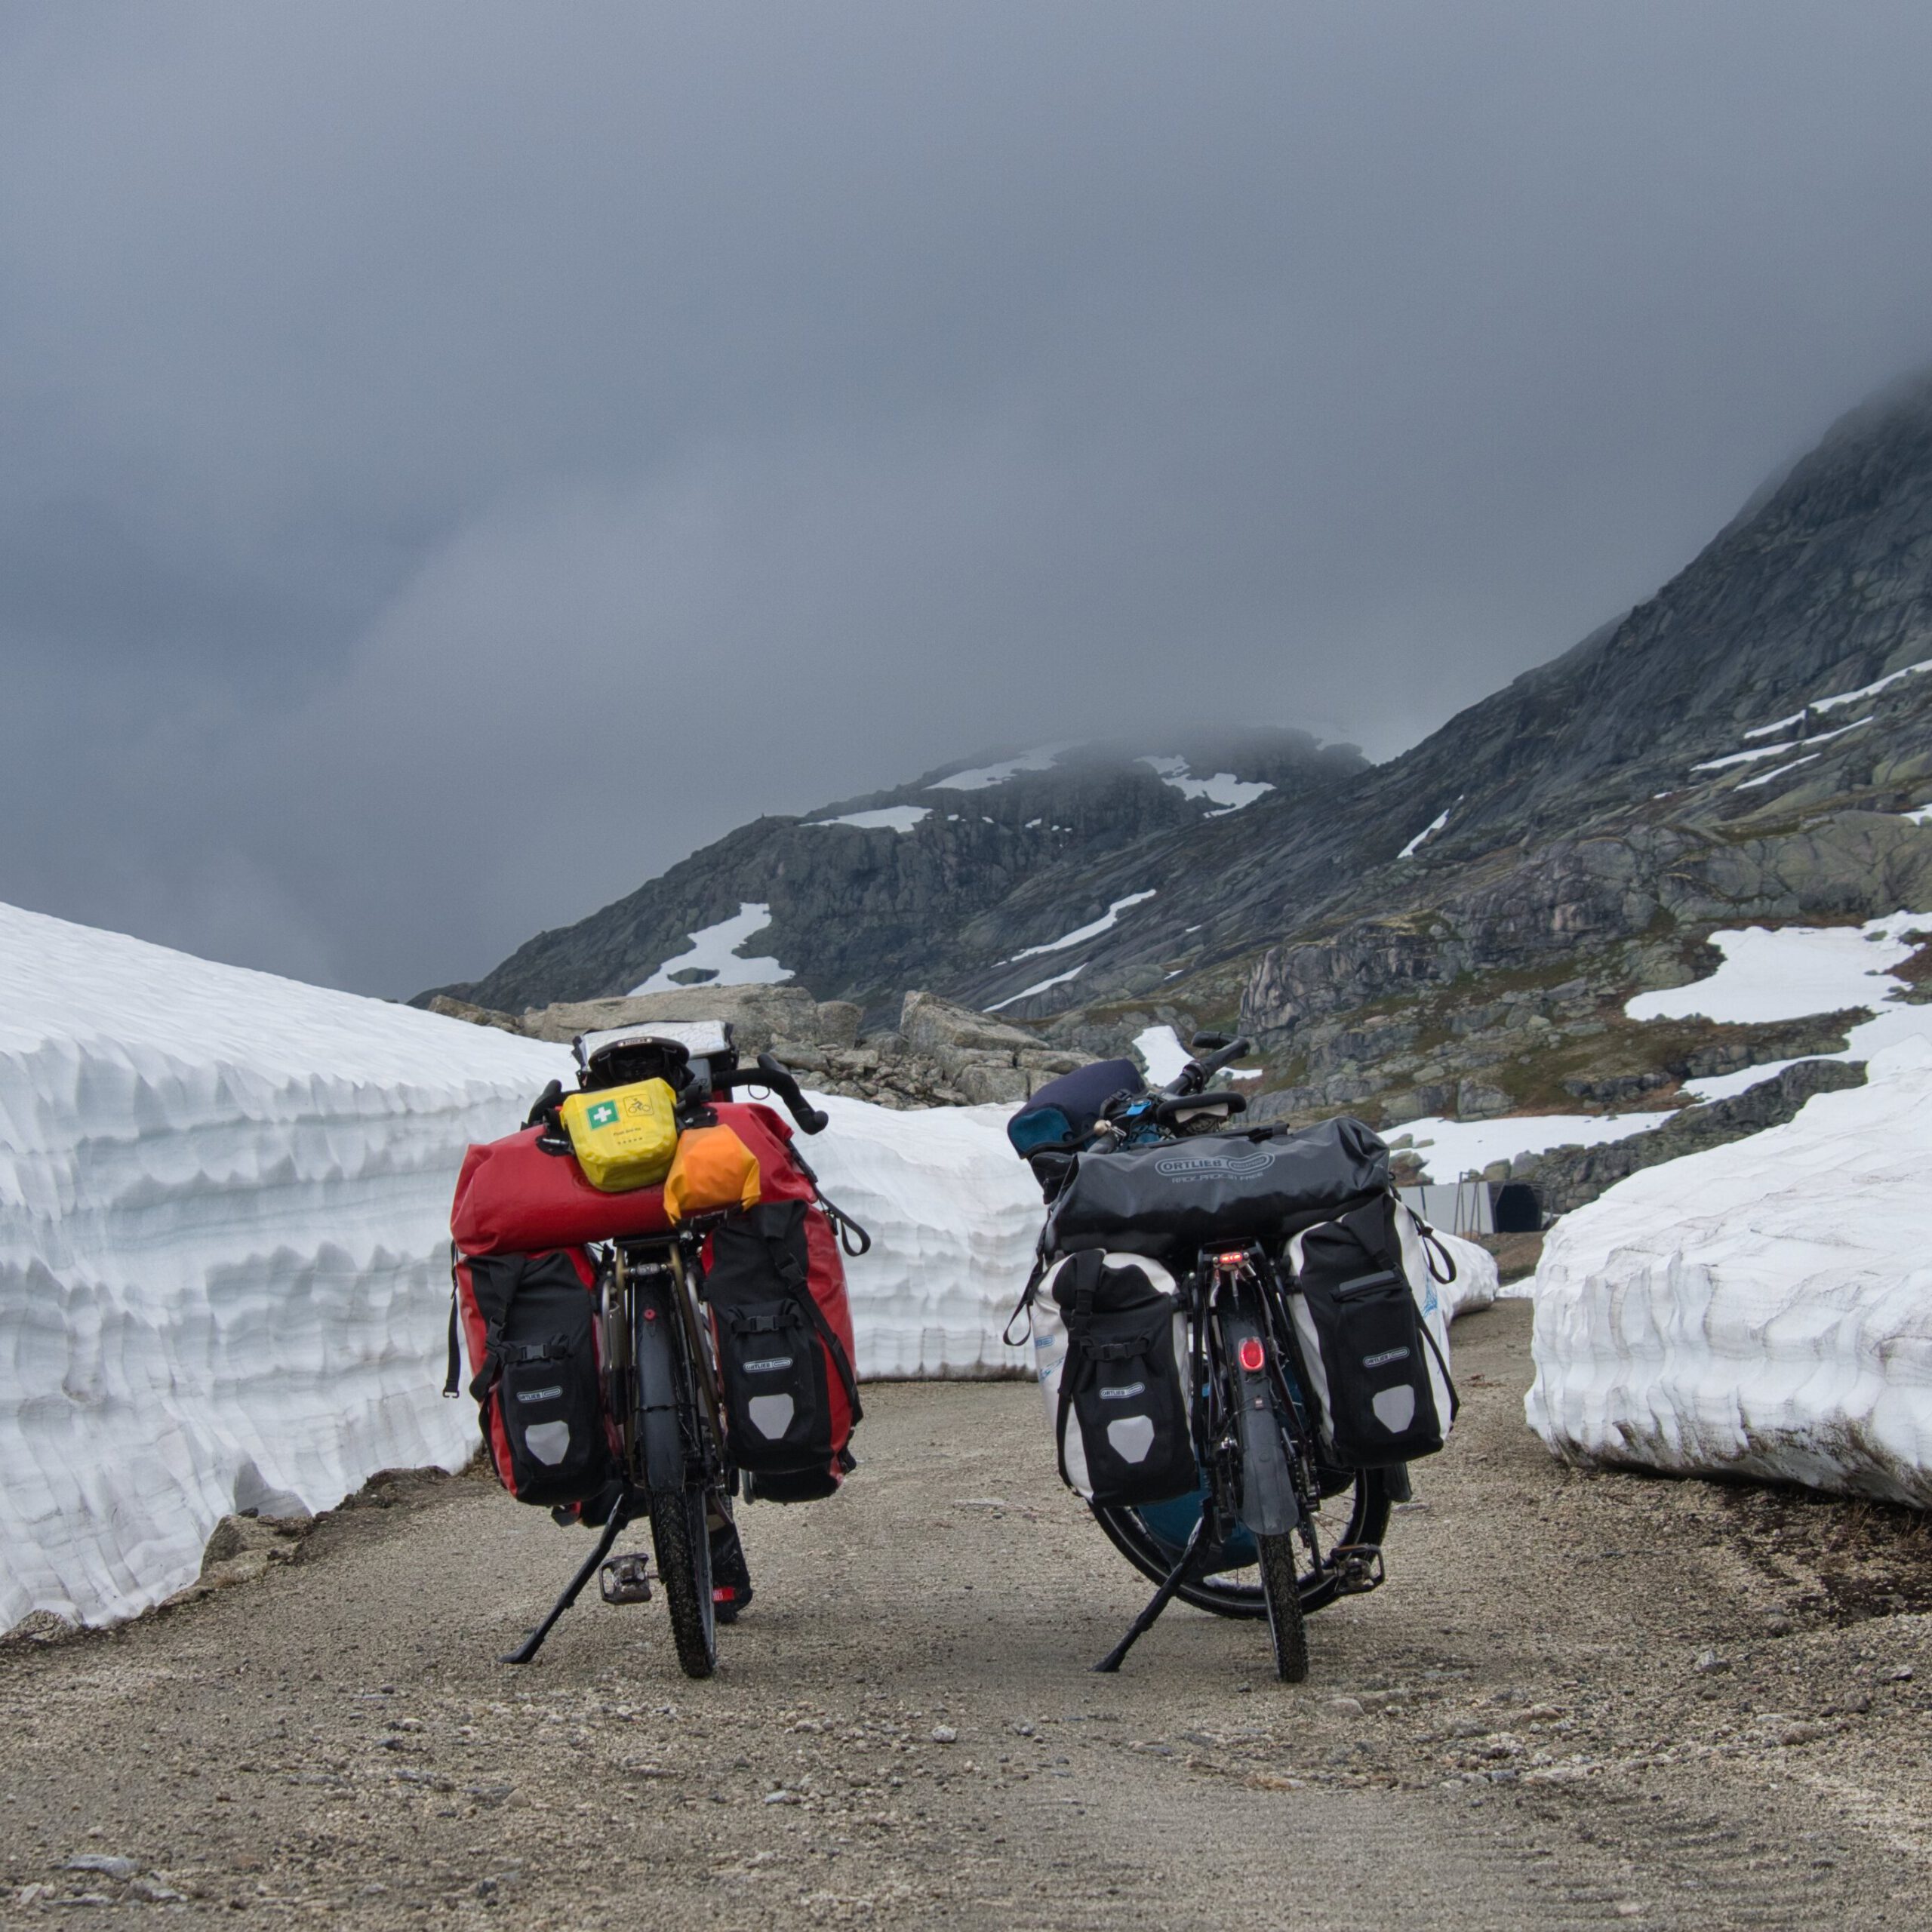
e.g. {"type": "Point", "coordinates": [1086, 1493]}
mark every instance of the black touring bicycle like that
{"type": "Point", "coordinates": [1240, 1336]}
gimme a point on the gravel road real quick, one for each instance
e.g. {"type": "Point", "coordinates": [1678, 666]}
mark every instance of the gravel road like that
{"type": "Point", "coordinates": [1581, 1700]}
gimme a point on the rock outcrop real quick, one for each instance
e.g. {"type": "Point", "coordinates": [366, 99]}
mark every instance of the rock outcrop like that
{"type": "Point", "coordinates": [939, 1055]}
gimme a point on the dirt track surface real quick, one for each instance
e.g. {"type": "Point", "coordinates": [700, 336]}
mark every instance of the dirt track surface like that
{"type": "Point", "coordinates": [1515, 1732]}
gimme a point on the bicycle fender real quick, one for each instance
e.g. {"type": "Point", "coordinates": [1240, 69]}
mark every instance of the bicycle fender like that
{"type": "Point", "coordinates": [1268, 1507]}
{"type": "Point", "coordinates": [661, 1439]}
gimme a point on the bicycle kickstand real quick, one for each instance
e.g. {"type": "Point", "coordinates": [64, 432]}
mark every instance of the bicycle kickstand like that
{"type": "Point", "coordinates": [622, 1513]}
{"type": "Point", "coordinates": [1161, 1597]}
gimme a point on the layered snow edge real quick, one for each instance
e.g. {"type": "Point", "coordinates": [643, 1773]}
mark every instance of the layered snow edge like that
{"type": "Point", "coordinates": [1764, 1310]}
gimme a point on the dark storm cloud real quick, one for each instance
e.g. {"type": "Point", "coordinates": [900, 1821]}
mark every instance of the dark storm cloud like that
{"type": "Point", "coordinates": [455, 459]}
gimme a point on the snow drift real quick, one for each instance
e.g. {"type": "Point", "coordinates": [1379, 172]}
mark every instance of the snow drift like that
{"type": "Point", "coordinates": [1764, 1309]}
{"type": "Point", "coordinates": [224, 1204]}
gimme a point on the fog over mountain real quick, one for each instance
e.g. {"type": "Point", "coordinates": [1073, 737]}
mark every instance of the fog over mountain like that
{"type": "Point", "coordinates": [456, 460]}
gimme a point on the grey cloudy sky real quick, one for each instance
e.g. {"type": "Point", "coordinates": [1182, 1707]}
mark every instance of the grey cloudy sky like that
{"type": "Point", "coordinates": [456, 458]}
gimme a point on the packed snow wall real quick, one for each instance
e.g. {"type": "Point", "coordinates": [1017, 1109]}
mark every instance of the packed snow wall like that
{"type": "Point", "coordinates": [953, 1213]}
{"type": "Point", "coordinates": [1764, 1309]}
{"type": "Point", "coordinates": [224, 1202]}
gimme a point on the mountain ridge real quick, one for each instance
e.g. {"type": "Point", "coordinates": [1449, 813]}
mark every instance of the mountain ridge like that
{"type": "Point", "coordinates": [1598, 808]}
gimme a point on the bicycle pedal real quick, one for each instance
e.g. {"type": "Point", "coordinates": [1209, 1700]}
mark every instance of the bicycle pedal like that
{"type": "Point", "coordinates": [1358, 1567]}
{"type": "Point", "coordinates": [626, 1579]}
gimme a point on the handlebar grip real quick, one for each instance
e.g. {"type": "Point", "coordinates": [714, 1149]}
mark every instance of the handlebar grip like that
{"type": "Point", "coordinates": [778, 1078]}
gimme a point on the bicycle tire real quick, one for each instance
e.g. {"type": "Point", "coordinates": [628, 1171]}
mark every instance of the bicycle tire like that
{"type": "Point", "coordinates": [1368, 1522]}
{"type": "Point", "coordinates": [682, 1544]}
{"type": "Point", "coordinates": [1288, 1625]}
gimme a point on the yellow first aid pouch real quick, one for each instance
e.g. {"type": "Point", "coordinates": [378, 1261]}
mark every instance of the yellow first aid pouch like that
{"type": "Point", "coordinates": [623, 1137]}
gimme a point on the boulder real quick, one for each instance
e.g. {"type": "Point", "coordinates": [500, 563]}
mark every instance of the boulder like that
{"type": "Point", "coordinates": [926, 1020]}
{"type": "Point", "coordinates": [759, 1015]}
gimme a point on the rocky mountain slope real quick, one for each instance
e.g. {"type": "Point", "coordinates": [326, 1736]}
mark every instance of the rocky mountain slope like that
{"type": "Point", "coordinates": [1452, 932]}
{"type": "Point", "coordinates": [869, 896]}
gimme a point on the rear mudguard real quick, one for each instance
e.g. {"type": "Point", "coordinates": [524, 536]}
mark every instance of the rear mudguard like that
{"type": "Point", "coordinates": [660, 1436]}
{"type": "Point", "coordinates": [1268, 1506]}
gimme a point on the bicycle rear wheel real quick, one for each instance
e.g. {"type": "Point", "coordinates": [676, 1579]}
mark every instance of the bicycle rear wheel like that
{"type": "Point", "coordinates": [682, 1544]}
{"type": "Point", "coordinates": [1360, 1510]}
{"type": "Point", "coordinates": [1286, 1623]}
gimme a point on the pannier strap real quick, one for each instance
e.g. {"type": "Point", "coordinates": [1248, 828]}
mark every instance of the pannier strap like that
{"type": "Point", "coordinates": [453, 1380]}
{"type": "Point", "coordinates": [1024, 1305]}
{"type": "Point", "coordinates": [848, 1230]}
{"type": "Point", "coordinates": [1432, 1247]}
{"type": "Point", "coordinates": [1086, 1267]}
{"type": "Point", "coordinates": [785, 1265]}
{"type": "Point", "coordinates": [1455, 1400]}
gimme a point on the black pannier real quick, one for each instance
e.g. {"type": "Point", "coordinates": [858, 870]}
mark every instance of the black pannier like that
{"type": "Point", "coordinates": [791, 1399]}
{"type": "Point", "coordinates": [1120, 1395]}
{"type": "Point", "coordinates": [532, 1319]}
{"type": "Point", "coordinates": [1182, 1195]}
{"type": "Point", "coordinates": [1375, 1370]}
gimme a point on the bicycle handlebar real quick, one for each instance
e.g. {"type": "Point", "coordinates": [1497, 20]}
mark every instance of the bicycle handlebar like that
{"type": "Point", "coordinates": [1196, 1074]}
{"type": "Point", "coordinates": [1166, 1110]}
{"type": "Point", "coordinates": [772, 1073]}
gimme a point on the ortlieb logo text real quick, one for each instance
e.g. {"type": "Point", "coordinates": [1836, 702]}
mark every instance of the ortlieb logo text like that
{"type": "Point", "coordinates": [1206, 1166]}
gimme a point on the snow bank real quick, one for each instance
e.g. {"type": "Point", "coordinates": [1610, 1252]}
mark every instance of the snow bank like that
{"type": "Point", "coordinates": [1765, 1309]}
{"type": "Point", "coordinates": [224, 1202]}
{"type": "Point", "coordinates": [953, 1213]}
{"type": "Point", "coordinates": [1475, 1285]}
{"type": "Point", "coordinates": [1450, 1148]}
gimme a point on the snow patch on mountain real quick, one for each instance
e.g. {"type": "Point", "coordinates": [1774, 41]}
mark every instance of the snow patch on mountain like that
{"type": "Point", "coordinates": [1105, 923]}
{"type": "Point", "coordinates": [1790, 972]}
{"type": "Point", "coordinates": [1428, 832]}
{"type": "Point", "coordinates": [1773, 751]}
{"type": "Point", "coordinates": [1038, 986]}
{"type": "Point", "coordinates": [713, 958]}
{"type": "Point", "coordinates": [892, 818]}
{"type": "Point", "coordinates": [982, 777]}
{"type": "Point", "coordinates": [1450, 1148]}
{"type": "Point", "coordinates": [1858, 696]}
{"type": "Point", "coordinates": [1223, 788]}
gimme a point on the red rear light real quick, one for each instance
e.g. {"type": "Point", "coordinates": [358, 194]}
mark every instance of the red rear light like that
{"type": "Point", "coordinates": [1232, 1260]}
{"type": "Point", "coordinates": [1251, 1355]}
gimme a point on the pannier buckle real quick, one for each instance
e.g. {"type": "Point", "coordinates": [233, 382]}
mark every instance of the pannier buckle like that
{"type": "Point", "coordinates": [626, 1579]}
{"type": "Point", "coordinates": [1358, 1567]}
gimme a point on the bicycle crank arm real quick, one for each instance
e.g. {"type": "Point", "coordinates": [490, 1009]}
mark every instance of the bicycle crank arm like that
{"type": "Point", "coordinates": [1269, 1504]}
